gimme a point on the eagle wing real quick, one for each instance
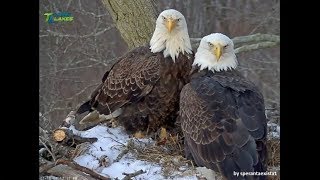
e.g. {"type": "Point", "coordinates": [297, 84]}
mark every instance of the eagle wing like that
{"type": "Point", "coordinates": [221, 122]}
{"type": "Point", "coordinates": [129, 80]}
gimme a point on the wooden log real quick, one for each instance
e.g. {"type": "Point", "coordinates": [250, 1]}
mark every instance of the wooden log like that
{"type": "Point", "coordinates": [67, 172]}
{"type": "Point", "coordinates": [59, 135]}
{"type": "Point", "coordinates": [69, 169]}
{"type": "Point", "coordinates": [66, 137]}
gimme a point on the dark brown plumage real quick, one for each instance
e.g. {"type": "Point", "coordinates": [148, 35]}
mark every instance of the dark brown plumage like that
{"type": "Point", "coordinates": [223, 120]}
{"type": "Point", "coordinates": [145, 86]}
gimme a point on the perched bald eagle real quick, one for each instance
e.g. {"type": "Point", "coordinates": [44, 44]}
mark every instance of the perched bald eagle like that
{"type": "Point", "coordinates": [143, 87]}
{"type": "Point", "coordinates": [223, 114]}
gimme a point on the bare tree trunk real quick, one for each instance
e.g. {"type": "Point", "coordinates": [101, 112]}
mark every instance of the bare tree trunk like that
{"type": "Point", "coordinates": [135, 19]}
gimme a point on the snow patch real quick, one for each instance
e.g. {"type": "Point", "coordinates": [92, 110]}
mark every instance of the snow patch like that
{"type": "Point", "coordinates": [273, 131]}
{"type": "Point", "coordinates": [110, 143]}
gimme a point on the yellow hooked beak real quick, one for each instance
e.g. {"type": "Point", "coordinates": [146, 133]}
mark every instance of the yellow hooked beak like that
{"type": "Point", "coordinates": [170, 24]}
{"type": "Point", "coordinates": [217, 51]}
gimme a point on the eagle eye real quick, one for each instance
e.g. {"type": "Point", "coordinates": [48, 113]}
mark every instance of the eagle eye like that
{"type": "Point", "coordinates": [164, 18]}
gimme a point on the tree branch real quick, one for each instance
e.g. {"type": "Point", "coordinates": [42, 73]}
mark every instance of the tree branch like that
{"type": "Point", "coordinates": [261, 41]}
{"type": "Point", "coordinates": [53, 33]}
{"type": "Point", "coordinates": [256, 46]}
{"type": "Point", "coordinates": [256, 38]}
{"type": "Point", "coordinates": [128, 176]}
{"type": "Point", "coordinates": [135, 20]}
{"type": "Point", "coordinates": [76, 166]}
{"type": "Point", "coordinates": [48, 149]}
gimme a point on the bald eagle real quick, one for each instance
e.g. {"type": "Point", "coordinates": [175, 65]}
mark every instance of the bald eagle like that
{"type": "Point", "coordinates": [142, 89]}
{"type": "Point", "coordinates": [222, 114]}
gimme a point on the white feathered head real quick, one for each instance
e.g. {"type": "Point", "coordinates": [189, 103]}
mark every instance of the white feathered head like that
{"type": "Point", "coordinates": [216, 52]}
{"type": "Point", "coordinates": [171, 35]}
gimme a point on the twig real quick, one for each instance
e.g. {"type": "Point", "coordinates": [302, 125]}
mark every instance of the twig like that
{"type": "Point", "coordinates": [270, 108]}
{"type": "Point", "coordinates": [80, 149]}
{"type": "Point", "coordinates": [269, 16]}
{"type": "Point", "coordinates": [71, 69]}
{"type": "Point", "coordinates": [44, 144]}
{"type": "Point", "coordinates": [82, 169]}
{"type": "Point", "coordinates": [123, 152]}
{"type": "Point", "coordinates": [115, 141]}
{"type": "Point", "coordinates": [53, 33]}
{"type": "Point", "coordinates": [80, 140]}
{"type": "Point", "coordinates": [128, 176]}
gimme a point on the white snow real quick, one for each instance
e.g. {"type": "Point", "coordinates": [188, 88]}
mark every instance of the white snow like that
{"type": "Point", "coordinates": [273, 130]}
{"type": "Point", "coordinates": [110, 143]}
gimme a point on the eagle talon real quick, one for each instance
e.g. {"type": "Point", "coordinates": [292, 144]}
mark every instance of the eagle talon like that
{"type": "Point", "coordinates": [114, 123]}
{"type": "Point", "coordinates": [139, 135]}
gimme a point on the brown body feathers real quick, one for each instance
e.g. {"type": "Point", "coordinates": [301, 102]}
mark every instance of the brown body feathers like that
{"type": "Point", "coordinates": [223, 121]}
{"type": "Point", "coordinates": [145, 85]}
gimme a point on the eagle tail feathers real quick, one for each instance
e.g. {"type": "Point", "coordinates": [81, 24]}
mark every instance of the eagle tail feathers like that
{"type": "Point", "coordinates": [84, 108]}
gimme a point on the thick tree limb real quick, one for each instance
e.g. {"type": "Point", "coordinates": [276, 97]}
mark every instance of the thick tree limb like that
{"type": "Point", "coordinates": [256, 38]}
{"type": "Point", "coordinates": [66, 172]}
{"type": "Point", "coordinates": [135, 19]}
{"type": "Point", "coordinates": [261, 41]}
{"type": "Point", "coordinates": [248, 39]}
{"type": "Point", "coordinates": [68, 169]}
{"type": "Point", "coordinates": [251, 47]}
{"type": "Point", "coordinates": [82, 169]}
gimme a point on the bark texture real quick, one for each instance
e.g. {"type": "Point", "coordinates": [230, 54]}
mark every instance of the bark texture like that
{"type": "Point", "coordinates": [135, 19]}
